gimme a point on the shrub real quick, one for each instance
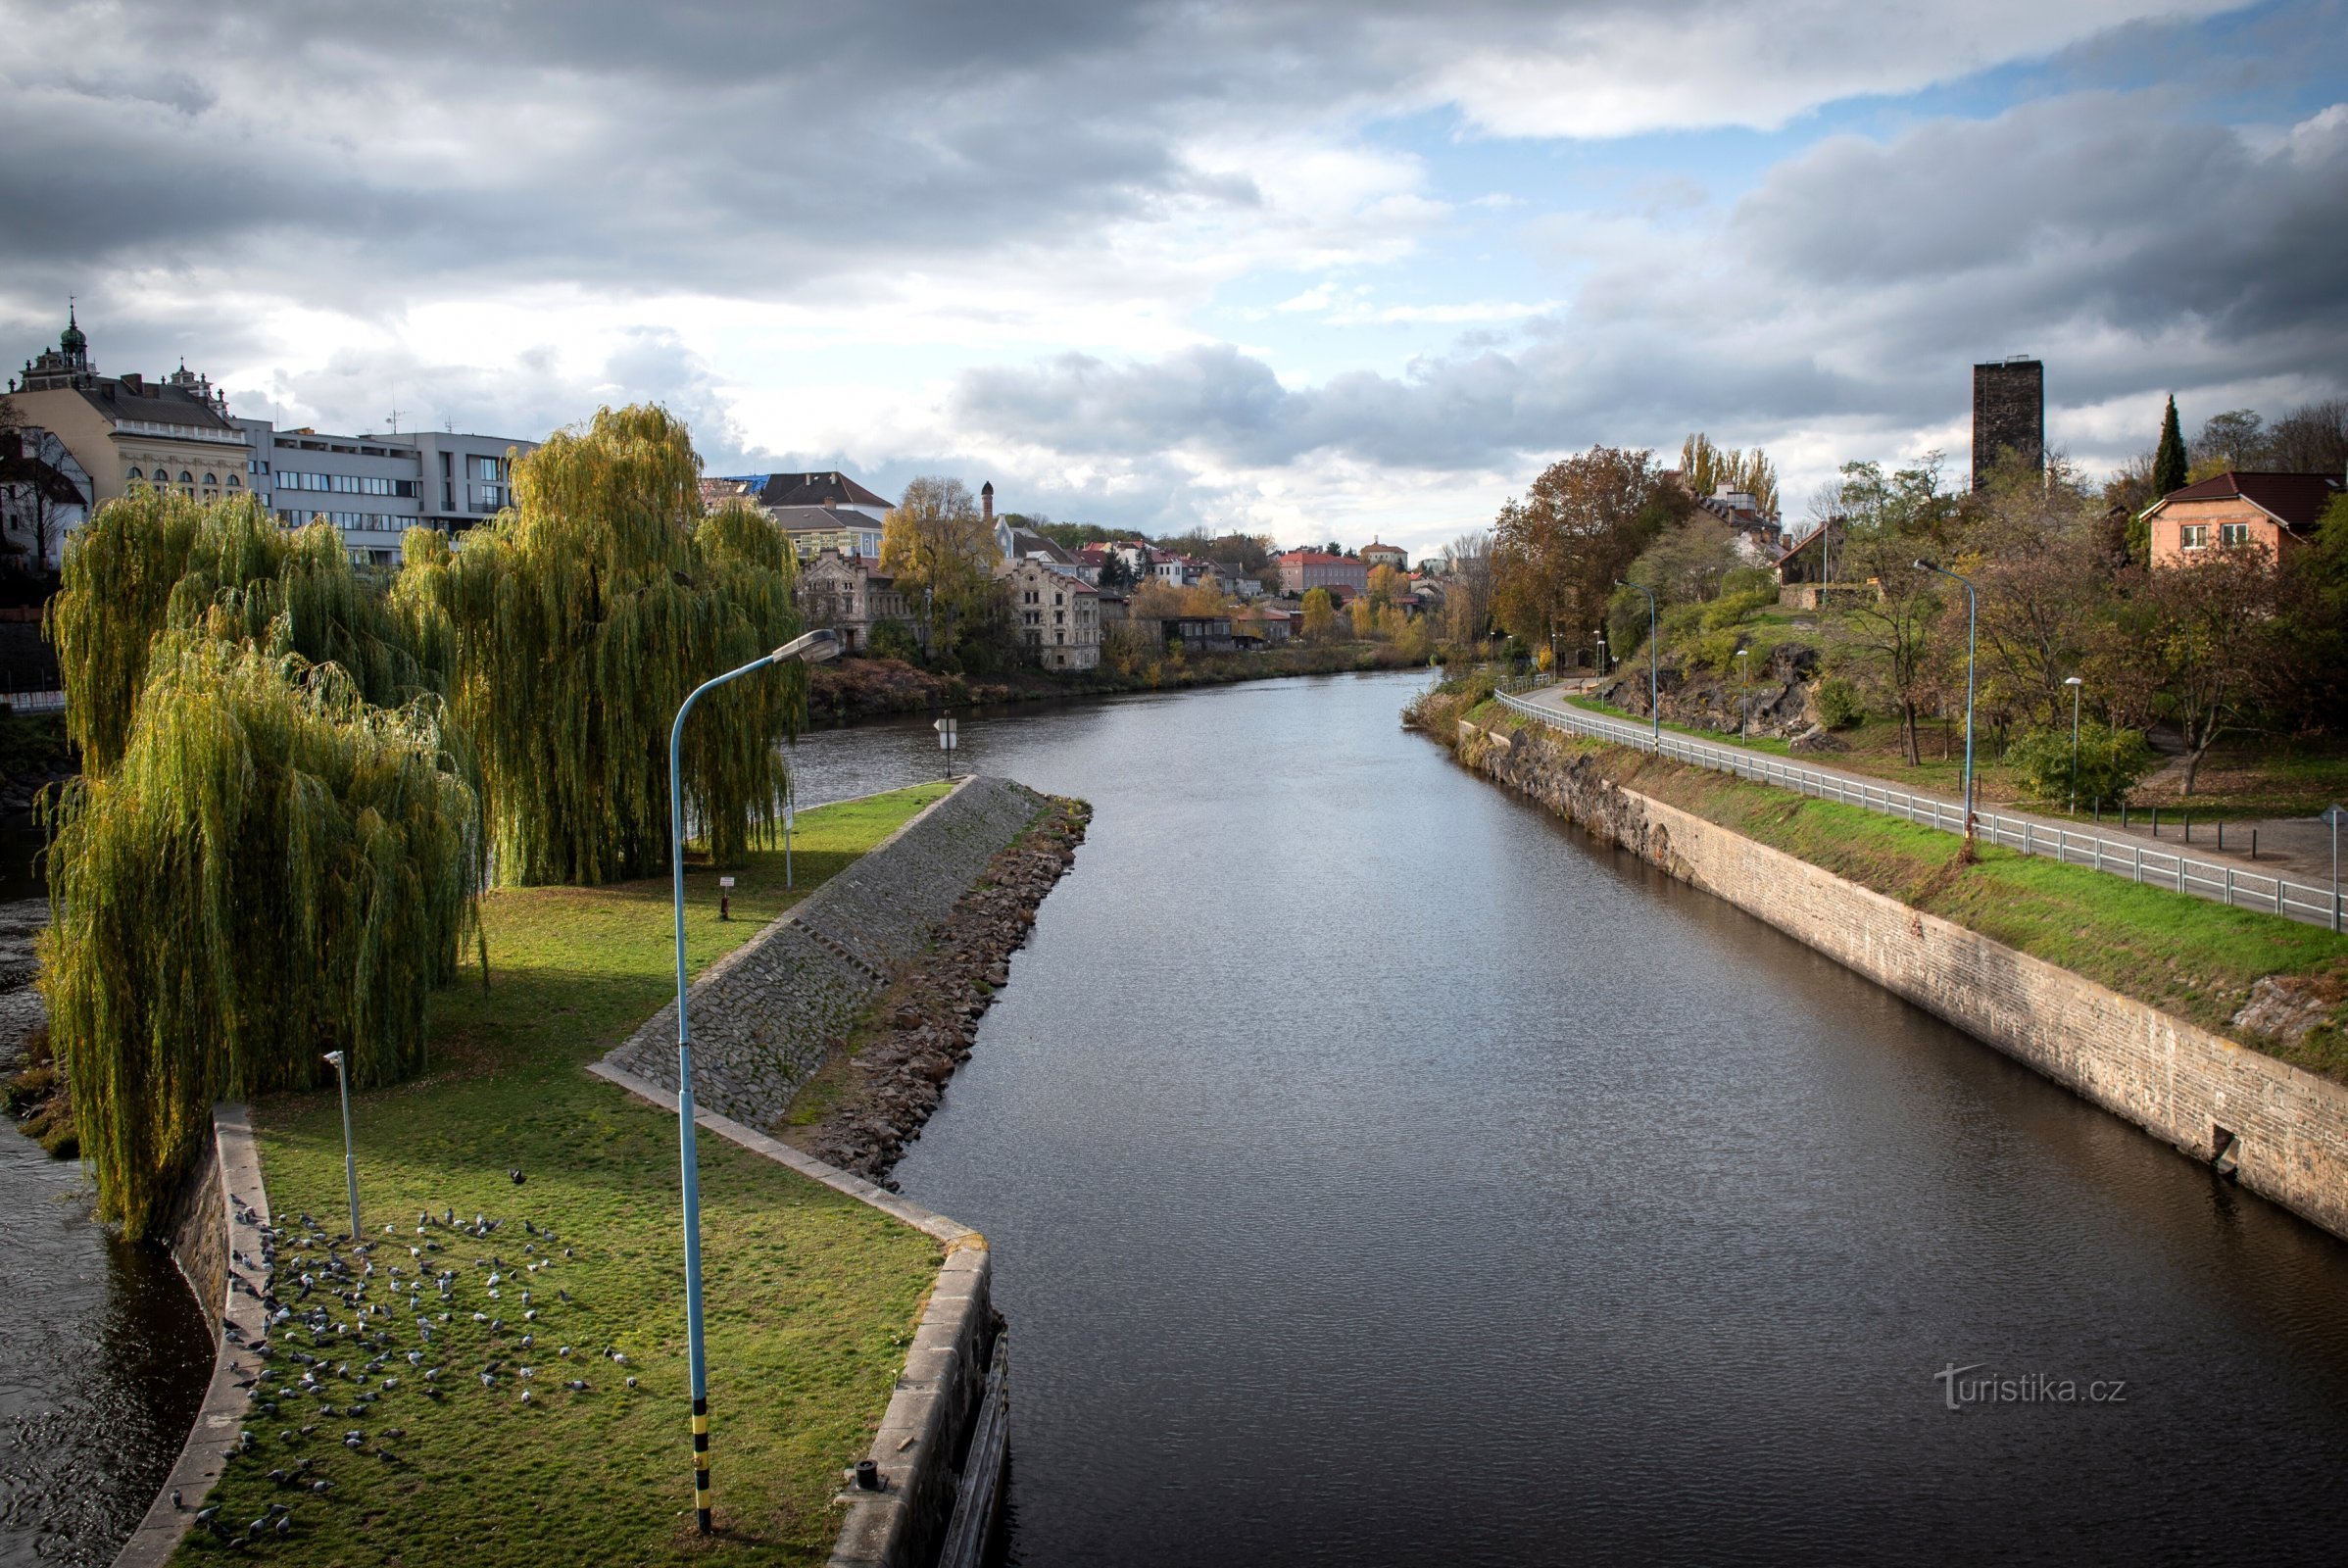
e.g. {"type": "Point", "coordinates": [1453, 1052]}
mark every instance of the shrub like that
{"type": "Point", "coordinates": [2110, 761]}
{"type": "Point", "coordinates": [892, 638]}
{"type": "Point", "coordinates": [1838, 705]}
{"type": "Point", "coordinates": [1730, 609]}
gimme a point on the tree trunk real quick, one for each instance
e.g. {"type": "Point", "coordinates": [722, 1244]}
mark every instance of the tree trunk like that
{"type": "Point", "coordinates": [1907, 732]}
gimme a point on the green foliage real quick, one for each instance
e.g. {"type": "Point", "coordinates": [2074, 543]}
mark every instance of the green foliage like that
{"type": "Point", "coordinates": [582, 620]}
{"type": "Point", "coordinates": [152, 559]}
{"type": "Point", "coordinates": [2169, 461]}
{"type": "Point", "coordinates": [273, 868]}
{"type": "Point", "coordinates": [891, 638]}
{"type": "Point", "coordinates": [1838, 704]}
{"type": "Point", "coordinates": [2110, 761]}
{"type": "Point", "coordinates": [1734, 608]}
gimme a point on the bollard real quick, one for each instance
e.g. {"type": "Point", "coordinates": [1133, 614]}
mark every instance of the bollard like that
{"type": "Point", "coordinates": [2155, 821]}
{"type": "Point", "coordinates": [2254, 843]}
{"type": "Point", "coordinates": [2221, 832]}
{"type": "Point", "coordinates": [2188, 827]}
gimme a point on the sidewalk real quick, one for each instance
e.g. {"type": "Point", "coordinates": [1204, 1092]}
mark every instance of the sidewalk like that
{"type": "Point", "coordinates": [2299, 855]}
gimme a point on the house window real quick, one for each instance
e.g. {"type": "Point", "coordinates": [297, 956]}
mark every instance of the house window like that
{"type": "Point", "coordinates": [235, 483]}
{"type": "Point", "coordinates": [2234, 533]}
{"type": "Point", "coordinates": [211, 479]}
{"type": "Point", "coordinates": [135, 474]}
{"type": "Point", "coordinates": [2193, 536]}
{"type": "Point", "coordinates": [187, 477]}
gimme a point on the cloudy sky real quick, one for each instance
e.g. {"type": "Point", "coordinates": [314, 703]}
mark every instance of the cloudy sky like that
{"type": "Point", "coordinates": [1315, 267]}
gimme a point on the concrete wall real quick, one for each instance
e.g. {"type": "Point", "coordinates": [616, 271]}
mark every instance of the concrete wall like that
{"type": "Point", "coordinates": [765, 1016]}
{"type": "Point", "coordinates": [2171, 1078]}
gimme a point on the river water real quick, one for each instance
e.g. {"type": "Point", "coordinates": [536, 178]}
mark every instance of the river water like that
{"type": "Point", "coordinates": [1380, 1171]}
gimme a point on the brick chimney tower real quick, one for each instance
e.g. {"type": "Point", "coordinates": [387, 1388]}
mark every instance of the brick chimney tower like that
{"type": "Point", "coordinates": [985, 502]}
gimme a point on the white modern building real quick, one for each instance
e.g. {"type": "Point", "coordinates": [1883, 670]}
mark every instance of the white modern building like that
{"type": "Point", "coordinates": [375, 488]}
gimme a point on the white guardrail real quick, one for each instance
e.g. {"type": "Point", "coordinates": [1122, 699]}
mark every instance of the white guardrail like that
{"type": "Point", "coordinates": [2128, 858]}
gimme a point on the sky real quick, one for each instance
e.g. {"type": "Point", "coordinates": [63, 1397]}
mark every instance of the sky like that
{"type": "Point", "coordinates": [1316, 268]}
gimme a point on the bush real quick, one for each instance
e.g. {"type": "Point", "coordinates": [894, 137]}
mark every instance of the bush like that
{"type": "Point", "coordinates": [1730, 609]}
{"type": "Point", "coordinates": [1838, 705]}
{"type": "Point", "coordinates": [2109, 762]}
{"type": "Point", "coordinates": [892, 638]}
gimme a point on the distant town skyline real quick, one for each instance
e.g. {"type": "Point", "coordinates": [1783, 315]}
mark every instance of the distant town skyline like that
{"type": "Point", "coordinates": [1311, 270]}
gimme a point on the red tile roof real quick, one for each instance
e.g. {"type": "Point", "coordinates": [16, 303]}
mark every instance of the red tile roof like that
{"type": "Point", "coordinates": [2295, 499]}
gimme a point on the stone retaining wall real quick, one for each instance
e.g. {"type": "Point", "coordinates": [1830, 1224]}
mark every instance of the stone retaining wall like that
{"type": "Point", "coordinates": [206, 1226]}
{"type": "Point", "coordinates": [764, 1014]}
{"type": "Point", "coordinates": [2171, 1078]}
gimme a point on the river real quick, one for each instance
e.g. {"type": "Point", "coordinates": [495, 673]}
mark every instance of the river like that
{"type": "Point", "coordinates": [1380, 1171]}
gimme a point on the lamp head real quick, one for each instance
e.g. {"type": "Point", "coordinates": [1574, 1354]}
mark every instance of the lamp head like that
{"type": "Point", "coordinates": [1923, 564]}
{"type": "Point", "coordinates": [335, 1056]}
{"type": "Point", "coordinates": [812, 648]}
{"type": "Point", "coordinates": [2070, 680]}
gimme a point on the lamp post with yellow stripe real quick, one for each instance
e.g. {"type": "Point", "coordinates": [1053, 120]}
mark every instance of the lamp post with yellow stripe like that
{"type": "Point", "coordinates": [813, 649]}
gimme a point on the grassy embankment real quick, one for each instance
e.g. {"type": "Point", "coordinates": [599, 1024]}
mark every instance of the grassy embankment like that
{"type": "Point", "coordinates": [811, 1297]}
{"type": "Point", "coordinates": [868, 688]}
{"type": "Point", "coordinates": [2243, 777]}
{"type": "Point", "coordinates": [2186, 955]}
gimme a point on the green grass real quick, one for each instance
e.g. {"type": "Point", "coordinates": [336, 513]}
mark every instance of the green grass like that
{"type": "Point", "coordinates": [2184, 955]}
{"type": "Point", "coordinates": [810, 1296]}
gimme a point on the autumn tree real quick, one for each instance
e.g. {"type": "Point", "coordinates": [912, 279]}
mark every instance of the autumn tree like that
{"type": "Point", "coordinates": [943, 554]}
{"type": "Point", "coordinates": [1557, 552]}
{"type": "Point", "coordinates": [2212, 639]}
{"type": "Point", "coordinates": [1686, 558]}
{"type": "Point", "coordinates": [1320, 615]}
{"type": "Point", "coordinates": [1387, 586]}
{"type": "Point", "coordinates": [1705, 467]}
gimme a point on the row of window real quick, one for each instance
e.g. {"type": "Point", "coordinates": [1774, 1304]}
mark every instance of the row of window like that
{"type": "Point", "coordinates": [346, 484]}
{"type": "Point", "coordinates": [2196, 535]}
{"type": "Point", "coordinates": [163, 477]}
{"type": "Point", "coordinates": [365, 522]}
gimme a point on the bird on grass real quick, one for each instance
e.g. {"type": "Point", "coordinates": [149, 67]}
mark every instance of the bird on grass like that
{"type": "Point", "coordinates": [518, 1177]}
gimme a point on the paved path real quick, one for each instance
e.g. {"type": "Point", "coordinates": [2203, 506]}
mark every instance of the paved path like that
{"type": "Point", "coordinates": [2300, 881]}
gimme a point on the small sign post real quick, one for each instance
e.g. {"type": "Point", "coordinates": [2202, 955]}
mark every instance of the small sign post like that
{"type": "Point", "coordinates": [725, 897]}
{"type": "Point", "coordinates": [790, 815]}
{"type": "Point", "coordinates": [2335, 816]}
{"type": "Point", "coordinates": [949, 736]}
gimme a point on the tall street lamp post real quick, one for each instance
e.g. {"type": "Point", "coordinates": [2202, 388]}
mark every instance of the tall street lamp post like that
{"type": "Point", "coordinates": [1972, 613]}
{"type": "Point", "coordinates": [2075, 683]}
{"type": "Point", "coordinates": [1602, 671]}
{"type": "Point", "coordinates": [1654, 678]}
{"type": "Point", "coordinates": [1744, 712]}
{"type": "Point", "coordinates": [349, 1159]}
{"type": "Point", "coordinates": [815, 648]}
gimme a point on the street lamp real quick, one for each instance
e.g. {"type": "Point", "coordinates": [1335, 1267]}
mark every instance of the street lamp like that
{"type": "Point", "coordinates": [350, 1160]}
{"type": "Point", "coordinates": [813, 648]}
{"type": "Point", "coordinates": [2075, 683]}
{"type": "Point", "coordinates": [1972, 613]}
{"type": "Point", "coordinates": [1602, 670]}
{"type": "Point", "coordinates": [1743, 711]}
{"type": "Point", "coordinates": [1654, 680]}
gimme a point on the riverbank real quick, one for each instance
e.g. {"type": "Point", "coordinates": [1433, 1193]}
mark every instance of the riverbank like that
{"type": "Point", "coordinates": [2056, 965]}
{"type": "Point", "coordinates": [850, 689]}
{"type": "Point", "coordinates": [2276, 985]}
{"type": "Point", "coordinates": [812, 1296]}
{"type": "Point", "coordinates": [871, 1094]}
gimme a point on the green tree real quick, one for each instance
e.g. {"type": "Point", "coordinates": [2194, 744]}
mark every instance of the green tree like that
{"type": "Point", "coordinates": [581, 620]}
{"type": "Point", "coordinates": [1705, 467]}
{"type": "Point", "coordinates": [2168, 461]}
{"type": "Point", "coordinates": [943, 554]}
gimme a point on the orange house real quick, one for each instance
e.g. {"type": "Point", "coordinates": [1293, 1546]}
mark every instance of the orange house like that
{"type": "Point", "coordinates": [2276, 512]}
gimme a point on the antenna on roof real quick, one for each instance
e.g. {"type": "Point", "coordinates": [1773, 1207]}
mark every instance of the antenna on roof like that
{"type": "Point", "coordinates": [395, 421]}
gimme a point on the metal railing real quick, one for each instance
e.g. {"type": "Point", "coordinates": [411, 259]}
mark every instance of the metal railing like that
{"type": "Point", "coordinates": [2229, 885]}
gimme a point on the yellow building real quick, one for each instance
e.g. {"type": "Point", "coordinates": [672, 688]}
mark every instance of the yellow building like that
{"type": "Point", "coordinates": [172, 433]}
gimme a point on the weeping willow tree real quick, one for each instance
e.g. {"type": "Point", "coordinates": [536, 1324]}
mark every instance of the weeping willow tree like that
{"type": "Point", "coordinates": [582, 619]}
{"type": "Point", "coordinates": [152, 559]}
{"type": "Point", "coordinates": [272, 868]}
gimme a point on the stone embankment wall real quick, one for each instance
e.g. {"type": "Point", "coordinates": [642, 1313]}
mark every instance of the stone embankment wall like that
{"type": "Point", "coordinates": [765, 1016]}
{"type": "Point", "coordinates": [2176, 1080]}
{"type": "Point", "coordinates": [221, 1207]}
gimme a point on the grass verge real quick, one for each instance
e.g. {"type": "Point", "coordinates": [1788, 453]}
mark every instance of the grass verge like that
{"type": "Point", "coordinates": [2184, 955]}
{"type": "Point", "coordinates": [810, 1296]}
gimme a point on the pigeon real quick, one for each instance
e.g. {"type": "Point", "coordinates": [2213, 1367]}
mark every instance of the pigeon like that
{"type": "Point", "coordinates": [576, 1385]}
{"type": "Point", "coordinates": [518, 1177]}
{"type": "Point", "coordinates": [284, 1524]}
{"type": "Point", "coordinates": [525, 1396]}
{"type": "Point", "coordinates": [565, 1350]}
{"type": "Point", "coordinates": [322, 1486]}
{"type": "Point", "coordinates": [177, 1505]}
{"type": "Point", "coordinates": [279, 1477]}
{"type": "Point", "coordinates": [631, 1383]}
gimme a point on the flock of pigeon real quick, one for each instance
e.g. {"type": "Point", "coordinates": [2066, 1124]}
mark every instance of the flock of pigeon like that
{"type": "Point", "coordinates": [347, 1335]}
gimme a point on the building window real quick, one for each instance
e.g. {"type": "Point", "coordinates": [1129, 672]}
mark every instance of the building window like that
{"type": "Point", "coordinates": [213, 480]}
{"type": "Point", "coordinates": [187, 477]}
{"type": "Point", "coordinates": [2234, 533]}
{"type": "Point", "coordinates": [135, 476]}
{"type": "Point", "coordinates": [2193, 536]}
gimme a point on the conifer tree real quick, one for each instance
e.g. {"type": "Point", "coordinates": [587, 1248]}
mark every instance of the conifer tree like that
{"type": "Point", "coordinates": [2168, 461]}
